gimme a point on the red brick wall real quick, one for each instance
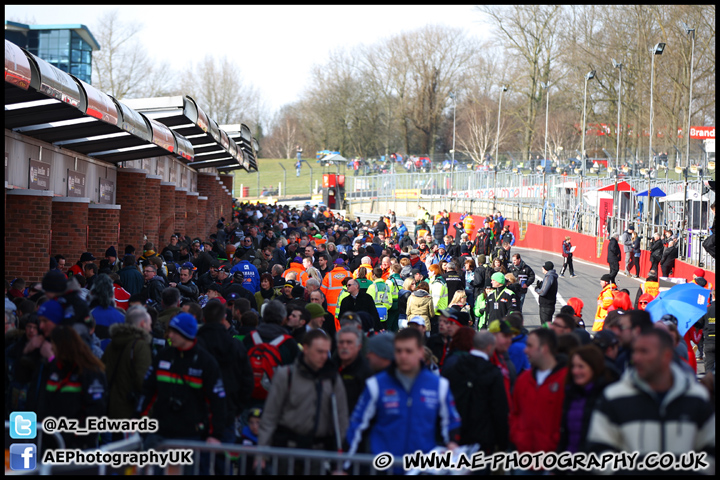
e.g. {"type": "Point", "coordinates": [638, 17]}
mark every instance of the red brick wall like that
{"type": "Point", "coordinates": [207, 187]}
{"type": "Point", "coordinates": [70, 228]}
{"type": "Point", "coordinates": [191, 229]}
{"type": "Point", "coordinates": [131, 197]}
{"type": "Point", "coordinates": [167, 212]}
{"type": "Point", "coordinates": [180, 210]}
{"type": "Point", "coordinates": [152, 209]}
{"type": "Point", "coordinates": [227, 180]}
{"type": "Point", "coordinates": [104, 221]}
{"type": "Point", "coordinates": [27, 236]}
{"type": "Point", "coordinates": [201, 221]}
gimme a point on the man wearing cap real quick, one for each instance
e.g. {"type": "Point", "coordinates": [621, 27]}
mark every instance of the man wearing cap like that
{"type": "Point", "coordinates": [208, 278]}
{"type": "Point", "coordinates": [297, 267]}
{"type": "Point", "coordinates": [201, 258]}
{"type": "Point", "coordinates": [547, 293]}
{"type": "Point", "coordinates": [184, 389]}
{"type": "Point", "coordinates": [613, 257]}
{"type": "Point", "coordinates": [501, 300]}
{"type": "Point", "coordinates": [699, 279]}
{"type": "Point", "coordinates": [358, 301]}
{"type": "Point", "coordinates": [78, 268]}
{"type": "Point", "coordinates": [417, 263]}
{"type": "Point", "coordinates": [332, 285]}
{"type": "Point", "coordinates": [608, 343]}
{"type": "Point", "coordinates": [418, 323]}
{"type": "Point", "coordinates": [111, 257]}
{"type": "Point", "coordinates": [604, 301]}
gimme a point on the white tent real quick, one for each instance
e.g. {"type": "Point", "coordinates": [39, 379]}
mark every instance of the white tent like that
{"type": "Point", "coordinates": [334, 158]}
{"type": "Point", "coordinates": [593, 197]}
{"type": "Point", "coordinates": [693, 195]}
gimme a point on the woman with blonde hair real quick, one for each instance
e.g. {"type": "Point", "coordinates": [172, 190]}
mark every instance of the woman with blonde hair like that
{"type": "Point", "coordinates": [421, 303]}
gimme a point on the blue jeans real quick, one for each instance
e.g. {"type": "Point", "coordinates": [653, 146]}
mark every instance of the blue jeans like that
{"type": "Point", "coordinates": [521, 300]}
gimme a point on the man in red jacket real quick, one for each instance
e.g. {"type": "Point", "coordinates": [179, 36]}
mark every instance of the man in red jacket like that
{"type": "Point", "coordinates": [538, 396]}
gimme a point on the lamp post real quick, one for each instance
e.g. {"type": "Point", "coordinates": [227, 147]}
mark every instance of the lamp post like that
{"type": "Point", "coordinates": [546, 86]}
{"type": "Point", "coordinates": [619, 66]}
{"type": "Point", "coordinates": [589, 76]}
{"type": "Point", "coordinates": [452, 162]}
{"type": "Point", "coordinates": [689, 30]}
{"type": "Point", "coordinates": [656, 50]}
{"type": "Point", "coordinates": [497, 140]}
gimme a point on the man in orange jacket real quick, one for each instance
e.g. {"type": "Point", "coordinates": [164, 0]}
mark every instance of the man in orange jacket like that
{"type": "Point", "coordinates": [367, 263]}
{"type": "Point", "coordinates": [604, 301]}
{"type": "Point", "coordinates": [332, 285]}
{"type": "Point", "coordinates": [297, 266]}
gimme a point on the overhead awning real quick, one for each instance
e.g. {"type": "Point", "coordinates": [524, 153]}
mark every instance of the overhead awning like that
{"type": "Point", "coordinates": [43, 102]}
{"type": "Point", "coordinates": [692, 195]}
{"type": "Point", "coordinates": [621, 187]}
{"type": "Point", "coordinates": [654, 192]}
{"type": "Point", "coordinates": [213, 145]}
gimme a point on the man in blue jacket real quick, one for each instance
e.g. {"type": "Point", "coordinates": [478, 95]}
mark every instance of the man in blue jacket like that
{"type": "Point", "coordinates": [406, 404]}
{"type": "Point", "coordinates": [250, 274]}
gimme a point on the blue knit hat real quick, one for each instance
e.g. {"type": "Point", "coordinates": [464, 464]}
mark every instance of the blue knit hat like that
{"type": "Point", "coordinates": [52, 310]}
{"type": "Point", "coordinates": [185, 324]}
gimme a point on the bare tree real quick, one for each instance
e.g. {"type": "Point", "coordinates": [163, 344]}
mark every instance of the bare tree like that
{"type": "Point", "coordinates": [122, 66]}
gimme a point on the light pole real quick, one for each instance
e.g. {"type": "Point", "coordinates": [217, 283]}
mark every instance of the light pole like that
{"type": "Point", "coordinates": [619, 66]}
{"type": "Point", "coordinates": [590, 75]}
{"type": "Point", "coordinates": [656, 50]}
{"type": "Point", "coordinates": [497, 142]}
{"type": "Point", "coordinates": [546, 86]}
{"type": "Point", "coordinates": [452, 162]}
{"type": "Point", "coordinates": [689, 30]}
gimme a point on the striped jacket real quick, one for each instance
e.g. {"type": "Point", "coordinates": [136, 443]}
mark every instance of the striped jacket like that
{"type": "Point", "coordinates": [629, 418]}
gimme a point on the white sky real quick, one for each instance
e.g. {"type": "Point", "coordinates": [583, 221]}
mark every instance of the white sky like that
{"type": "Point", "coordinates": [276, 46]}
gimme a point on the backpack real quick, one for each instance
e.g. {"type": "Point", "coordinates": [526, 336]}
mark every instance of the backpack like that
{"type": "Point", "coordinates": [264, 359]}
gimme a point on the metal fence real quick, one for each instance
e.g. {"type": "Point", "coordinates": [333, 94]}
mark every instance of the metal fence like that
{"type": "Point", "coordinates": [567, 202]}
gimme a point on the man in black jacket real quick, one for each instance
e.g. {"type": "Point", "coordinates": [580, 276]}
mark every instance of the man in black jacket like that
{"type": "Point", "coordinates": [613, 256]}
{"type": "Point", "coordinates": [667, 262]}
{"type": "Point", "coordinates": [184, 389]}
{"type": "Point", "coordinates": [478, 388]}
{"type": "Point", "coordinates": [359, 301]}
{"type": "Point", "coordinates": [525, 277]}
{"type": "Point", "coordinates": [235, 285]}
{"type": "Point", "coordinates": [187, 287]}
{"type": "Point", "coordinates": [547, 293]}
{"type": "Point", "coordinates": [237, 375]}
{"type": "Point", "coordinates": [354, 368]}
{"type": "Point", "coordinates": [154, 284]}
{"type": "Point", "coordinates": [656, 251]}
{"type": "Point", "coordinates": [453, 280]}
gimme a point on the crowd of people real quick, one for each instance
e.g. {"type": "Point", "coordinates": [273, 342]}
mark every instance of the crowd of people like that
{"type": "Point", "coordinates": [299, 328]}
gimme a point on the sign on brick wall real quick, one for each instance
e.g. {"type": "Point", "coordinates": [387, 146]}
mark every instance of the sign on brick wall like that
{"type": "Point", "coordinates": [75, 184]}
{"type": "Point", "coordinates": [105, 194]}
{"type": "Point", "coordinates": [39, 175]}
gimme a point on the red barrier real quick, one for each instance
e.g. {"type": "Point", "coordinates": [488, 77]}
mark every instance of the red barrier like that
{"type": "Point", "coordinates": [549, 239]}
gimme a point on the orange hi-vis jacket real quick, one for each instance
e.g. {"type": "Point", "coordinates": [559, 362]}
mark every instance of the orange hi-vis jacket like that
{"type": "Point", "coordinates": [604, 301]}
{"type": "Point", "coordinates": [302, 275]}
{"type": "Point", "coordinates": [332, 287]}
{"type": "Point", "coordinates": [469, 224]}
{"type": "Point", "coordinates": [369, 269]}
{"type": "Point", "coordinates": [386, 273]}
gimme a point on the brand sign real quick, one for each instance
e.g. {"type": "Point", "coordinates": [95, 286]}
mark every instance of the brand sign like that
{"type": "Point", "coordinates": [107, 189]}
{"type": "Point", "coordinates": [75, 184]}
{"type": "Point", "coordinates": [39, 175]}
{"type": "Point", "coordinates": [702, 132]}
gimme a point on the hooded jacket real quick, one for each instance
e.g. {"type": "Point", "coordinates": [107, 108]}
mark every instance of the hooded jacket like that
{"type": "Point", "coordinates": [126, 360]}
{"type": "Point", "coordinates": [614, 253]}
{"type": "Point", "coordinates": [300, 400]}
{"type": "Point", "coordinates": [420, 303]}
{"type": "Point", "coordinates": [629, 417]}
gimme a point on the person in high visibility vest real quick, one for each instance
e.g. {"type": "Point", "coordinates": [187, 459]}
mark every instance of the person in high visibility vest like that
{"type": "Point", "coordinates": [343, 293]}
{"type": "Point", "coordinates": [650, 287]}
{"type": "Point", "coordinates": [468, 223]}
{"type": "Point", "coordinates": [438, 288]}
{"type": "Point", "coordinates": [699, 279]}
{"type": "Point", "coordinates": [297, 266]}
{"type": "Point", "coordinates": [395, 282]}
{"type": "Point", "coordinates": [332, 286]}
{"type": "Point", "coordinates": [382, 296]}
{"type": "Point", "coordinates": [605, 300]}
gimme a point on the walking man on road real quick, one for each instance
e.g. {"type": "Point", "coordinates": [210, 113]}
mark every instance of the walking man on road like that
{"type": "Point", "coordinates": [613, 257]}
{"type": "Point", "coordinates": [547, 293]}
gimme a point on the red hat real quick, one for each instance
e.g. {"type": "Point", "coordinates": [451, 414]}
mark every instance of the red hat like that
{"type": "Point", "coordinates": [699, 272]}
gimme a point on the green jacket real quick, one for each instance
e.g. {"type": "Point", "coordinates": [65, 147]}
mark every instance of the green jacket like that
{"type": "Point", "coordinates": [126, 358]}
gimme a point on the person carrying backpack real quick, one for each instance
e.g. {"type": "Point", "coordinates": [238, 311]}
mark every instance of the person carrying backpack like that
{"type": "Point", "coordinates": [268, 347]}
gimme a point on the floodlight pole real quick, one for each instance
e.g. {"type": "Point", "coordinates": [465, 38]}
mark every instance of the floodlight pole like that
{"type": "Point", "coordinates": [590, 75]}
{"type": "Point", "coordinates": [497, 143]}
{"type": "Point", "coordinates": [656, 50]}
{"type": "Point", "coordinates": [692, 58]}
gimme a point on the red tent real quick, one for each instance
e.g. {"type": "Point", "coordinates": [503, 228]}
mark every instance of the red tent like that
{"type": "Point", "coordinates": [621, 187]}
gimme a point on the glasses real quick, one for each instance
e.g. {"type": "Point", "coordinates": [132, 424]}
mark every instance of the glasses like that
{"type": "Point", "coordinates": [148, 271]}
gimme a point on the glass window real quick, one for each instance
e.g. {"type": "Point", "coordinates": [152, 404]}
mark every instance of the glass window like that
{"type": "Point", "coordinates": [75, 56]}
{"type": "Point", "coordinates": [87, 57]}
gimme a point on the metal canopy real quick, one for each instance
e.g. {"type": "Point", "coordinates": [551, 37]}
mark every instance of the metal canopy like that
{"type": "Point", "coordinates": [212, 144]}
{"type": "Point", "coordinates": [43, 102]}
